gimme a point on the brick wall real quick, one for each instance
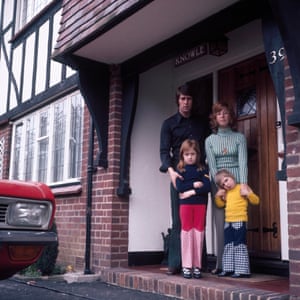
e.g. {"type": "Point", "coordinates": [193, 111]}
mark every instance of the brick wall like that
{"type": "Point", "coordinates": [109, 229]}
{"type": "Point", "coordinates": [293, 187]}
{"type": "Point", "coordinates": [110, 214]}
{"type": "Point", "coordinates": [70, 214]}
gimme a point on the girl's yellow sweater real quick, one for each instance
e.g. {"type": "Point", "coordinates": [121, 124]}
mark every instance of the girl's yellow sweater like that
{"type": "Point", "coordinates": [236, 206]}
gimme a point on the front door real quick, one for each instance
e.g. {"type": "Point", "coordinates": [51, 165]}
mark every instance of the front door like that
{"type": "Point", "coordinates": [248, 86]}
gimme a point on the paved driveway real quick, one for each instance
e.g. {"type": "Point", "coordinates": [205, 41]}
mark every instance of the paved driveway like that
{"type": "Point", "coordinates": [17, 289]}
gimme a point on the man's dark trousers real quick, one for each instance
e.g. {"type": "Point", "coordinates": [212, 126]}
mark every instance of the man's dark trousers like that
{"type": "Point", "coordinates": [174, 256]}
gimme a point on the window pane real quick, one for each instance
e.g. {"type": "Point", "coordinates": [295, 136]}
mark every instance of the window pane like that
{"type": "Point", "coordinates": [59, 141]}
{"type": "Point", "coordinates": [17, 152]}
{"type": "Point", "coordinates": [43, 159]}
{"type": "Point", "coordinates": [246, 102]}
{"type": "Point", "coordinates": [76, 136]}
{"type": "Point", "coordinates": [43, 146]}
{"type": "Point", "coordinates": [29, 148]}
{"type": "Point", "coordinates": [2, 149]}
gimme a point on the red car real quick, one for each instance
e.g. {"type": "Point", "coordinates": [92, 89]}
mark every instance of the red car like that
{"type": "Point", "coordinates": [26, 215]}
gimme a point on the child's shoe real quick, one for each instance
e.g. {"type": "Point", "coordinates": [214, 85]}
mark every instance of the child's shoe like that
{"type": "Point", "coordinates": [187, 273]}
{"type": "Point", "coordinates": [197, 273]}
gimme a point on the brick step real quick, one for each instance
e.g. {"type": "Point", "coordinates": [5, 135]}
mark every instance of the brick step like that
{"type": "Point", "coordinates": [208, 287]}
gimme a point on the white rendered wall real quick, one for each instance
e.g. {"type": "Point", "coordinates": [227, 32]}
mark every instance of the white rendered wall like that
{"type": "Point", "coordinates": [149, 212]}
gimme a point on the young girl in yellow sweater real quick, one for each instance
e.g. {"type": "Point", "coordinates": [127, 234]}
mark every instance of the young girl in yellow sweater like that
{"type": "Point", "coordinates": [235, 261]}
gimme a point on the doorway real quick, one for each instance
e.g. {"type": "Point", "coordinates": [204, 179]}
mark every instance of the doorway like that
{"type": "Point", "coordinates": [249, 88]}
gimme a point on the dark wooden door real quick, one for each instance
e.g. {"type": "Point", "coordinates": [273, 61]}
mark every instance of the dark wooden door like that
{"type": "Point", "coordinates": [248, 86]}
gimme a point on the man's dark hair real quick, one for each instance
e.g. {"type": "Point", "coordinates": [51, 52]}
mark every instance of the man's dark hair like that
{"type": "Point", "coordinates": [184, 89]}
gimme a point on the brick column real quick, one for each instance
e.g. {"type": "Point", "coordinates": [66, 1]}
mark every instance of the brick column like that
{"type": "Point", "coordinates": [110, 213]}
{"type": "Point", "coordinates": [293, 189]}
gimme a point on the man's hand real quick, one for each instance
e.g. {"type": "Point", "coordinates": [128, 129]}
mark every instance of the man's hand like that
{"type": "Point", "coordinates": [173, 175]}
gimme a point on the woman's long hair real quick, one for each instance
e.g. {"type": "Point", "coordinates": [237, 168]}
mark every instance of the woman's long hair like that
{"type": "Point", "coordinates": [185, 146]}
{"type": "Point", "coordinates": [218, 107]}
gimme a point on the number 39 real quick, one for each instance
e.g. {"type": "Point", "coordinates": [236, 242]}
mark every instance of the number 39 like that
{"type": "Point", "coordinates": [277, 56]}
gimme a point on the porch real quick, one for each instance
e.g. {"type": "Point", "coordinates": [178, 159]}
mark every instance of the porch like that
{"type": "Point", "coordinates": [153, 279]}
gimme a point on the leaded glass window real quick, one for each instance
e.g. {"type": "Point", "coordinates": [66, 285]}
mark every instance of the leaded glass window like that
{"type": "Point", "coordinates": [43, 146]}
{"type": "Point", "coordinates": [246, 102]}
{"type": "Point", "coordinates": [2, 149]}
{"type": "Point", "coordinates": [48, 143]}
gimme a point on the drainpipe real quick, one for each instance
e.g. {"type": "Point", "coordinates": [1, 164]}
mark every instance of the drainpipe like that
{"type": "Point", "coordinates": [90, 171]}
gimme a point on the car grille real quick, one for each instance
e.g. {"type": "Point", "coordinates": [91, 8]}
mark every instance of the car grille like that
{"type": "Point", "coordinates": [3, 209]}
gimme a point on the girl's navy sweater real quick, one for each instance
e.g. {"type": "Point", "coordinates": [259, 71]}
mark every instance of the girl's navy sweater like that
{"type": "Point", "coordinates": [190, 175]}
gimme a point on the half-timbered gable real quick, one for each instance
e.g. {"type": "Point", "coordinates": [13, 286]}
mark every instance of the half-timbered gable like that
{"type": "Point", "coordinates": [39, 97]}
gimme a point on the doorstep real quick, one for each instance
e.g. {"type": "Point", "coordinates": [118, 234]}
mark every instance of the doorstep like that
{"type": "Point", "coordinates": [154, 280]}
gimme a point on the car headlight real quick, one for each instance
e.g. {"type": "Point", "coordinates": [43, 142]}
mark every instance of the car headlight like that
{"type": "Point", "coordinates": [29, 214]}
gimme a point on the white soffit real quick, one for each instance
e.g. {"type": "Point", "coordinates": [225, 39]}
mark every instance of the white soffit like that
{"type": "Point", "coordinates": [156, 22]}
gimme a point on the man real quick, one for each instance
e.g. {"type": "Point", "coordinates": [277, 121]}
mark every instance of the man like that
{"type": "Point", "coordinates": [174, 131]}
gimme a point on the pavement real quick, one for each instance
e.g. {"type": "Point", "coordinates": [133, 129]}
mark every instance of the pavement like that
{"type": "Point", "coordinates": [69, 287]}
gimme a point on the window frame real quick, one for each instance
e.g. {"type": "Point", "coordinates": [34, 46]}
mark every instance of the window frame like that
{"type": "Point", "coordinates": [36, 168]}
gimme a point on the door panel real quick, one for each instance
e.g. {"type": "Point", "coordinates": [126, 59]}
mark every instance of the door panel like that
{"type": "Point", "coordinates": [248, 87]}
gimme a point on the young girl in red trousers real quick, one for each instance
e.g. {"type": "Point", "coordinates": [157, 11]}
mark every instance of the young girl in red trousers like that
{"type": "Point", "coordinates": [193, 186]}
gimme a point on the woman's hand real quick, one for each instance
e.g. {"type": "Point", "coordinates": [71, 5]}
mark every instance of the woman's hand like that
{"type": "Point", "coordinates": [245, 190]}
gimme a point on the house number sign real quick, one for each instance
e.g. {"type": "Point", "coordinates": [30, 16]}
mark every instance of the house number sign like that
{"type": "Point", "coordinates": [277, 55]}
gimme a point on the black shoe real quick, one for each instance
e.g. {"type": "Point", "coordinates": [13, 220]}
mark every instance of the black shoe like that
{"type": "Point", "coordinates": [225, 274]}
{"type": "Point", "coordinates": [172, 271]}
{"type": "Point", "coordinates": [216, 271]}
{"type": "Point", "coordinates": [237, 275]}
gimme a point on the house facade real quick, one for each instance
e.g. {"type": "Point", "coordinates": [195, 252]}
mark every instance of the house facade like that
{"type": "Point", "coordinates": [82, 111]}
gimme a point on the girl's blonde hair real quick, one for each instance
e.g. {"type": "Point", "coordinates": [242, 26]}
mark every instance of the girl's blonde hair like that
{"type": "Point", "coordinates": [185, 146]}
{"type": "Point", "coordinates": [221, 174]}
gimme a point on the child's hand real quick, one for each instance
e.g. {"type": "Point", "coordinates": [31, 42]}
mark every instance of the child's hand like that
{"type": "Point", "coordinates": [198, 184]}
{"type": "Point", "coordinates": [222, 194]}
{"type": "Point", "coordinates": [187, 194]}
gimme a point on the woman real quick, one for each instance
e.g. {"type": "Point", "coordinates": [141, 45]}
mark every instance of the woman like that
{"type": "Point", "coordinates": [225, 149]}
